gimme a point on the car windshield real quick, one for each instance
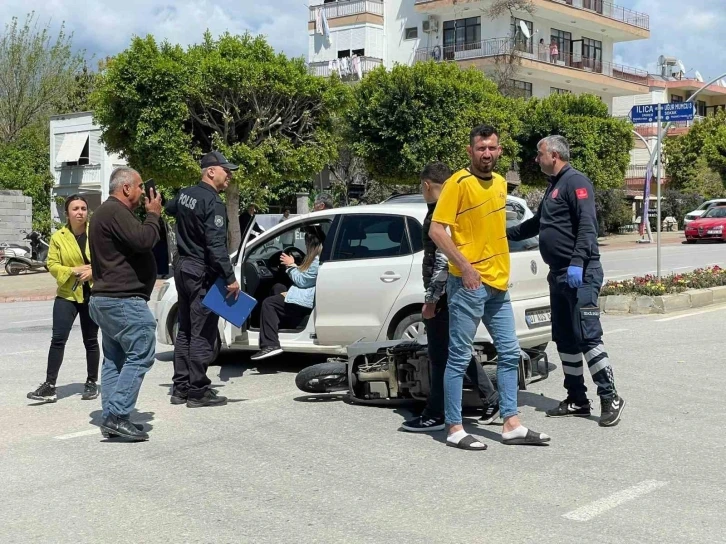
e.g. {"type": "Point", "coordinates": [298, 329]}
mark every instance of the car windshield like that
{"type": "Point", "coordinates": [719, 211]}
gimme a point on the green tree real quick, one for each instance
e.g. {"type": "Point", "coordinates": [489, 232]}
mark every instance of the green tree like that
{"type": "Point", "coordinates": [162, 107]}
{"type": "Point", "coordinates": [694, 158]}
{"type": "Point", "coordinates": [24, 166]}
{"type": "Point", "coordinates": [37, 72]}
{"type": "Point", "coordinates": [599, 145]}
{"type": "Point", "coordinates": [404, 118]}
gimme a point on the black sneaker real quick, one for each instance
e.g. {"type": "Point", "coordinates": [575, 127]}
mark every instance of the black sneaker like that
{"type": "Point", "coordinates": [179, 397]}
{"type": "Point", "coordinates": [266, 353]}
{"type": "Point", "coordinates": [424, 424]}
{"type": "Point", "coordinates": [611, 410]}
{"type": "Point", "coordinates": [90, 391]}
{"type": "Point", "coordinates": [567, 408]}
{"type": "Point", "coordinates": [210, 398]}
{"type": "Point", "coordinates": [123, 428]}
{"type": "Point", "coordinates": [44, 393]}
{"type": "Point", "coordinates": [491, 414]}
{"type": "Point", "coordinates": [107, 434]}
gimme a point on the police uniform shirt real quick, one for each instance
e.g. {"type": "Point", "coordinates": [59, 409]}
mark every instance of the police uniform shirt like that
{"type": "Point", "coordinates": [201, 228]}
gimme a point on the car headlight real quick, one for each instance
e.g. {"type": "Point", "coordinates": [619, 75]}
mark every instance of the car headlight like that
{"type": "Point", "coordinates": [163, 290]}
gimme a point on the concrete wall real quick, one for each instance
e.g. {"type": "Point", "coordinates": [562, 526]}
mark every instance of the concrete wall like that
{"type": "Point", "coordinates": [16, 215]}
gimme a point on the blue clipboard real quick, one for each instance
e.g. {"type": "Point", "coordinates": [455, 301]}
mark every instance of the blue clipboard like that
{"type": "Point", "coordinates": [234, 311]}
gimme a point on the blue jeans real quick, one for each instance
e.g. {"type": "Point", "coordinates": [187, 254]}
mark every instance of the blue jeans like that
{"type": "Point", "coordinates": [129, 347]}
{"type": "Point", "coordinates": [466, 309]}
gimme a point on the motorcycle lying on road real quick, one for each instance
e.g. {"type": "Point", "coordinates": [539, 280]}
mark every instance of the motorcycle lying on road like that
{"type": "Point", "coordinates": [396, 372]}
{"type": "Point", "coordinates": [35, 259]}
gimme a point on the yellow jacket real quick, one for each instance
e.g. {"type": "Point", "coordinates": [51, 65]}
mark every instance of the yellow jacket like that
{"type": "Point", "coordinates": [64, 255]}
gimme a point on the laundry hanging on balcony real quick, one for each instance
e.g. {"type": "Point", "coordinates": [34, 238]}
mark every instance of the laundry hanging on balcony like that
{"type": "Point", "coordinates": [357, 67]}
{"type": "Point", "coordinates": [321, 23]}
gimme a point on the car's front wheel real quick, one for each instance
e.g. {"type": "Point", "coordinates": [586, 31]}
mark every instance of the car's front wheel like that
{"type": "Point", "coordinates": [409, 328]}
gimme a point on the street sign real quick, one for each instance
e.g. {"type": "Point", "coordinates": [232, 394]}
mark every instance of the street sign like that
{"type": "Point", "coordinates": [676, 111]}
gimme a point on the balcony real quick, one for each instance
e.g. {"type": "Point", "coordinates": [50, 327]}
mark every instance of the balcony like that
{"type": "Point", "coordinates": [590, 73]}
{"type": "Point", "coordinates": [77, 177]}
{"type": "Point", "coordinates": [335, 10]}
{"type": "Point", "coordinates": [322, 69]}
{"type": "Point", "coordinates": [601, 16]}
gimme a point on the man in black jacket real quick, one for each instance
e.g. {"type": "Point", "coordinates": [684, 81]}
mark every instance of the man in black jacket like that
{"type": "Point", "coordinates": [124, 273]}
{"type": "Point", "coordinates": [567, 226]}
{"type": "Point", "coordinates": [201, 227]}
{"type": "Point", "coordinates": [436, 319]}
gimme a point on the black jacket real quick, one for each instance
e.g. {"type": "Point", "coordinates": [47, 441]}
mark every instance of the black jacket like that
{"type": "Point", "coordinates": [201, 229]}
{"type": "Point", "coordinates": [121, 251]}
{"type": "Point", "coordinates": [429, 258]}
{"type": "Point", "coordinates": [565, 221]}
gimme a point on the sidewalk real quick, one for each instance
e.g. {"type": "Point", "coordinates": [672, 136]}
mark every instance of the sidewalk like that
{"type": "Point", "coordinates": [32, 286]}
{"type": "Point", "coordinates": [615, 242]}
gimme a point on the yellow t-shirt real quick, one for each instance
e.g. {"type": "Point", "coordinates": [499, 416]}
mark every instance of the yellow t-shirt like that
{"type": "Point", "coordinates": [475, 211]}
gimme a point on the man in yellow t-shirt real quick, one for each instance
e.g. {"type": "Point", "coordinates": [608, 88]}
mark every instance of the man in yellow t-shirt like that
{"type": "Point", "coordinates": [473, 206]}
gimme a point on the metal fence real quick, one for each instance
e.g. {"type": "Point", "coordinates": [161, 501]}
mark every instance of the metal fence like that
{"type": "Point", "coordinates": [346, 8]}
{"type": "Point", "coordinates": [322, 69]}
{"type": "Point", "coordinates": [504, 46]}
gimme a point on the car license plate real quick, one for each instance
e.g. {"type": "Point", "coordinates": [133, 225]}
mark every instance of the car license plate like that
{"type": "Point", "coordinates": [538, 318]}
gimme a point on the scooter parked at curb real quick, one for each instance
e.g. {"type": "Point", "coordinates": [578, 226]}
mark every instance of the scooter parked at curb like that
{"type": "Point", "coordinates": [35, 259]}
{"type": "Point", "coordinates": [396, 372]}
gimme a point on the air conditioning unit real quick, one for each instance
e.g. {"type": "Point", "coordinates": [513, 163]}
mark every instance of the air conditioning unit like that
{"type": "Point", "coordinates": [431, 24]}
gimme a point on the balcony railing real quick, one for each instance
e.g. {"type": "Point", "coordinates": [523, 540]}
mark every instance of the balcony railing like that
{"type": "Point", "coordinates": [323, 69]}
{"type": "Point", "coordinates": [346, 8]}
{"type": "Point", "coordinates": [498, 47]}
{"type": "Point", "coordinates": [77, 176]}
{"type": "Point", "coordinates": [602, 7]}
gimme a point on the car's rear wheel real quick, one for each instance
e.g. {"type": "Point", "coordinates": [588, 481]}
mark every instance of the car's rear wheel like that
{"type": "Point", "coordinates": [409, 328]}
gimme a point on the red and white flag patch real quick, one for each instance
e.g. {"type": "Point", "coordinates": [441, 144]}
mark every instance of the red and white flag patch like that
{"type": "Point", "coordinates": [581, 193]}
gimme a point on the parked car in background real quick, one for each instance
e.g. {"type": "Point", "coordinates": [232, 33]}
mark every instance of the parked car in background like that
{"type": "Point", "coordinates": [702, 209]}
{"type": "Point", "coordinates": [710, 226]}
{"type": "Point", "coordinates": [369, 286]}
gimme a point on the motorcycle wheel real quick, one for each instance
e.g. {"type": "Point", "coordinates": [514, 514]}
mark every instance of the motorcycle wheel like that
{"type": "Point", "coordinates": [13, 269]}
{"type": "Point", "coordinates": [323, 378]}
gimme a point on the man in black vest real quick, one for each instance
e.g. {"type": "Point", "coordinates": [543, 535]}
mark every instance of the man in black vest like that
{"type": "Point", "coordinates": [567, 226]}
{"type": "Point", "coordinates": [436, 319]}
{"type": "Point", "coordinates": [201, 234]}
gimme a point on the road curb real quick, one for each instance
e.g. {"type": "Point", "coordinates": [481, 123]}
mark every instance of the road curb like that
{"type": "Point", "coordinates": [664, 304]}
{"type": "Point", "coordinates": [30, 298]}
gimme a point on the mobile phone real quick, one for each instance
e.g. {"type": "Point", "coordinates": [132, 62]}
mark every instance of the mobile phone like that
{"type": "Point", "coordinates": [148, 185]}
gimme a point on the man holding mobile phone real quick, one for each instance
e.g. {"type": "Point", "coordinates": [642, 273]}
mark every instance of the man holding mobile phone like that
{"type": "Point", "coordinates": [201, 233]}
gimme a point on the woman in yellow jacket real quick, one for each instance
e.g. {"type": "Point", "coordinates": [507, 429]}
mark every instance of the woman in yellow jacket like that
{"type": "Point", "coordinates": [69, 261]}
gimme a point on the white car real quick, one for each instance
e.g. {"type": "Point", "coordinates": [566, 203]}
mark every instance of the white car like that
{"type": "Point", "coordinates": [370, 284]}
{"type": "Point", "coordinates": [703, 208]}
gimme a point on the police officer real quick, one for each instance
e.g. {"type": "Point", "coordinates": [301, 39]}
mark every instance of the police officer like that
{"type": "Point", "coordinates": [201, 233]}
{"type": "Point", "coordinates": [567, 228]}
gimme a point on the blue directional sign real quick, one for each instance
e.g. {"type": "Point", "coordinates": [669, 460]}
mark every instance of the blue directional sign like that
{"type": "Point", "coordinates": [677, 111]}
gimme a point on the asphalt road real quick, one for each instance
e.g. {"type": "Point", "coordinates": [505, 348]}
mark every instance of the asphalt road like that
{"type": "Point", "coordinates": [275, 466]}
{"type": "Point", "coordinates": [678, 258]}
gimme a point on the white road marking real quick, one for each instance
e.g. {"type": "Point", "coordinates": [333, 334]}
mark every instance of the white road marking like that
{"type": "Point", "coordinates": [30, 321]}
{"type": "Point", "coordinates": [22, 352]}
{"type": "Point", "coordinates": [616, 330]}
{"type": "Point", "coordinates": [95, 430]}
{"type": "Point", "coordinates": [675, 317]}
{"type": "Point", "coordinates": [594, 509]}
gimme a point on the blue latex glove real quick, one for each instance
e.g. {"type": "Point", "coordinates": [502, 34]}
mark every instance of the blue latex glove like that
{"type": "Point", "coordinates": [574, 276]}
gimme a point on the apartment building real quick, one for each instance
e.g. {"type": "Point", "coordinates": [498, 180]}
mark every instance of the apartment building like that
{"type": "Point", "coordinates": [564, 46]}
{"type": "Point", "coordinates": [79, 161]}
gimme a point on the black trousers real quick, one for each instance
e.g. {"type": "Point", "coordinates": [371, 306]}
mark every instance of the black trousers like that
{"type": "Point", "coordinates": [275, 313]}
{"type": "Point", "coordinates": [64, 315]}
{"type": "Point", "coordinates": [194, 344]}
{"type": "Point", "coordinates": [437, 333]}
{"type": "Point", "coordinates": [577, 332]}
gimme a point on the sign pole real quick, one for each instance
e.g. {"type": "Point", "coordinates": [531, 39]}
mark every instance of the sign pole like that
{"type": "Point", "coordinates": [658, 226]}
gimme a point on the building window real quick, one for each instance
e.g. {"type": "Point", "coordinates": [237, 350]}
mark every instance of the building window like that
{"type": "Point", "coordinates": [411, 33]}
{"type": "Point", "coordinates": [592, 49]}
{"type": "Point", "coordinates": [521, 89]}
{"type": "Point", "coordinates": [555, 90]}
{"type": "Point", "coordinates": [521, 42]}
{"type": "Point", "coordinates": [461, 35]}
{"type": "Point", "coordinates": [700, 108]}
{"type": "Point", "coordinates": [359, 52]}
{"type": "Point", "coordinates": [676, 98]}
{"type": "Point", "coordinates": [344, 53]}
{"type": "Point", "coordinates": [563, 41]}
